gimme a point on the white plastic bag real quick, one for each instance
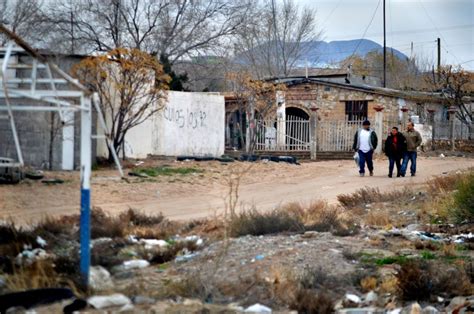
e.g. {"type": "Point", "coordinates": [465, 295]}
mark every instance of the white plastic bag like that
{"type": "Point", "coordinates": [356, 158]}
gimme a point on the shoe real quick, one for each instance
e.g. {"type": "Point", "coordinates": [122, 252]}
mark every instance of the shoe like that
{"type": "Point", "coordinates": [403, 175]}
{"type": "Point", "coordinates": [389, 175]}
{"type": "Point", "coordinates": [398, 175]}
{"type": "Point", "coordinates": [412, 174]}
{"type": "Point", "coordinates": [362, 174]}
{"type": "Point", "coordinates": [371, 173]}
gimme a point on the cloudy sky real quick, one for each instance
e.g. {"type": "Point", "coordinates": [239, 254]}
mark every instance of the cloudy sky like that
{"type": "Point", "coordinates": [417, 21]}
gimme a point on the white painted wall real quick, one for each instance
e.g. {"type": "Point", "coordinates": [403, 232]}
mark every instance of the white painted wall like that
{"type": "Point", "coordinates": [190, 124]}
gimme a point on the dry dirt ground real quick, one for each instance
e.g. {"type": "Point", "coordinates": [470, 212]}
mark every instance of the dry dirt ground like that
{"type": "Point", "coordinates": [263, 185]}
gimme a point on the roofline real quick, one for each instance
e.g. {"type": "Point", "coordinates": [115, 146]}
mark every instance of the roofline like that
{"type": "Point", "coordinates": [364, 88]}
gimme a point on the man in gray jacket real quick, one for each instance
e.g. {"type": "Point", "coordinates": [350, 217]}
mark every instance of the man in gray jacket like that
{"type": "Point", "coordinates": [413, 138]}
{"type": "Point", "coordinates": [365, 142]}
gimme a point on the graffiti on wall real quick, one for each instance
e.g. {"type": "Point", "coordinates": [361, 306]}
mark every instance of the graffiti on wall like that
{"type": "Point", "coordinates": [185, 118]}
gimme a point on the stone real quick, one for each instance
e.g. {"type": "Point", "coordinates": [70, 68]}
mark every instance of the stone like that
{"type": "Point", "coordinates": [430, 310]}
{"type": "Point", "coordinates": [189, 302]}
{"type": "Point", "coordinates": [362, 310]}
{"type": "Point", "coordinates": [309, 234]}
{"type": "Point", "coordinates": [139, 299]}
{"type": "Point", "coordinates": [101, 302]}
{"type": "Point", "coordinates": [258, 308]}
{"type": "Point", "coordinates": [135, 263]}
{"type": "Point", "coordinates": [456, 303]}
{"type": "Point", "coordinates": [371, 297]}
{"type": "Point", "coordinates": [99, 278]}
{"type": "Point", "coordinates": [415, 308]}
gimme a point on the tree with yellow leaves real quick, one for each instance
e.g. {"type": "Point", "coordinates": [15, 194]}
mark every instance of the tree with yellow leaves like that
{"type": "Point", "coordinates": [256, 99]}
{"type": "Point", "coordinates": [131, 85]}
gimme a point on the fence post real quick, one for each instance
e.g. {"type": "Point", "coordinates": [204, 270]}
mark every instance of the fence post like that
{"type": "Point", "coordinates": [433, 127]}
{"type": "Point", "coordinates": [379, 127]}
{"type": "Point", "coordinates": [313, 132]}
{"type": "Point", "coordinates": [452, 118]}
{"type": "Point", "coordinates": [281, 121]}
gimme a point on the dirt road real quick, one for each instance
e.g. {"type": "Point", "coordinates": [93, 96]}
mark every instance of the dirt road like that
{"type": "Point", "coordinates": [265, 185]}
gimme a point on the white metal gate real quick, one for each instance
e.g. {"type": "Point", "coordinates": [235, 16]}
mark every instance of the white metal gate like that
{"type": "Point", "coordinates": [291, 134]}
{"type": "Point", "coordinates": [336, 135]}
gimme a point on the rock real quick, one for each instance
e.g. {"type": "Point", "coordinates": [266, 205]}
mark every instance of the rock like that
{"type": "Point", "coordinates": [186, 257]}
{"type": "Point", "coordinates": [415, 308]}
{"type": "Point", "coordinates": [430, 310]}
{"type": "Point", "coordinates": [189, 302]}
{"type": "Point", "coordinates": [309, 234]}
{"type": "Point", "coordinates": [258, 308]}
{"type": "Point", "coordinates": [150, 243]}
{"type": "Point", "coordinates": [99, 278]}
{"type": "Point", "coordinates": [371, 297]}
{"type": "Point", "coordinates": [441, 155]}
{"type": "Point", "coordinates": [440, 299]}
{"type": "Point", "coordinates": [456, 302]}
{"type": "Point", "coordinates": [101, 302]}
{"type": "Point", "coordinates": [362, 310]}
{"type": "Point", "coordinates": [143, 300]}
{"type": "Point", "coordinates": [135, 263]}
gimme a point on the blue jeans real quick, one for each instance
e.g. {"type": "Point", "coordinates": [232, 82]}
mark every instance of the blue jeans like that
{"type": "Point", "coordinates": [412, 157]}
{"type": "Point", "coordinates": [394, 160]}
{"type": "Point", "coordinates": [363, 158]}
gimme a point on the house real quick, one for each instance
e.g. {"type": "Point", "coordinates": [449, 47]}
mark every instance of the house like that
{"type": "Point", "coordinates": [340, 102]}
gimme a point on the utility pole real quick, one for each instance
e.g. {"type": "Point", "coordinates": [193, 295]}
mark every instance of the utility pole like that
{"type": "Point", "coordinates": [384, 50]}
{"type": "Point", "coordinates": [439, 57]}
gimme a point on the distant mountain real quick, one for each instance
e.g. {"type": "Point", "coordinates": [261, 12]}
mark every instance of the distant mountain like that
{"type": "Point", "coordinates": [321, 53]}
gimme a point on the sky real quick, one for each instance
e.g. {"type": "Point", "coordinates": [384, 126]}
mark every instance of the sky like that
{"type": "Point", "coordinates": [417, 21]}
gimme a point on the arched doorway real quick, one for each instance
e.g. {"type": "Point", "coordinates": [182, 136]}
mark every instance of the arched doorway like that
{"type": "Point", "coordinates": [297, 128]}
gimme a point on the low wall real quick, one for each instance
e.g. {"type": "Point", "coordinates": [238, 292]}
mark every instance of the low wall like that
{"type": "Point", "coordinates": [190, 124]}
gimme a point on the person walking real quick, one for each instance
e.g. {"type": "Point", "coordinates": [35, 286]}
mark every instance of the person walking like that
{"type": "Point", "coordinates": [413, 139]}
{"type": "Point", "coordinates": [365, 142]}
{"type": "Point", "coordinates": [395, 147]}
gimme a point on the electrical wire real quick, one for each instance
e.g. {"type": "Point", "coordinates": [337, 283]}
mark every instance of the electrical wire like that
{"type": "Point", "coordinates": [366, 29]}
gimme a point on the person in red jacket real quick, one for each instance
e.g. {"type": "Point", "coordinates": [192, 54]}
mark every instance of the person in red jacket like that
{"type": "Point", "coordinates": [395, 147]}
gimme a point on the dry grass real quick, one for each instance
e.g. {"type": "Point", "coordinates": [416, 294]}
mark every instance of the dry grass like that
{"type": "Point", "coordinates": [40, 274]}
{"type": "Point", "coordinates": [252, 222]}
{"type": "Point", "coordinates": [136, 218]}
{"type": "Point", "coordinates": [449, 250]}
{"type": "Point", "coordinates": [379, 218]}
{"type": "Point", "coordinates": [442, 184]}
{"type": "Point", "coordinates": [369, 195]}
{"type": "Point", "coordinates": [309, 301]}
{"type": "Point", "coordinates": [368, 284]}
{"type": "Point", "coordinates": [389, 285]}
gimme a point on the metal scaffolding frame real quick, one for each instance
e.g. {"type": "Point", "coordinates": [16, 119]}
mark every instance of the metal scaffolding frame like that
{"type": "Point", "coordinates": [76, 98]}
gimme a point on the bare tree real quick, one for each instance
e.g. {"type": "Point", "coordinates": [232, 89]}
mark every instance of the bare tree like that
{"type": "Point", "coordinates": [23, 17]}
{"type": "Point", "coordinates": [457, 87]}
{"type": "Point", "coordinates": [131, 85]}
{"type": "Point", "coordinates": [173, 28]}
{"type": "Point", "coordinates": [276, 36]}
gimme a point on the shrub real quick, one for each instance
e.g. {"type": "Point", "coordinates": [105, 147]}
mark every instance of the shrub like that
{"type": "Point", "coordinates": [137, 218]}
{"type": "Point", "coordinates": [370, 195]}
{"type": "Point", "coordinates": [252, 222]}
{"type": "Point", "coordinates": [104, 225]}
{"type": "Point", "coordinates": [310, 301]}
{"type": "Point", "coordinates": [368, 284]}
{"type": "Point", "coordinates": [414, 280]}
{"type": "Point", "coordinates": [464, 199]}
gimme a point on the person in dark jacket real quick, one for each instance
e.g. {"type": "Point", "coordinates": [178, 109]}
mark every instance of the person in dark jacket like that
{"type": "Point", "coordinates": [395, 147]}
{"type": "Point", "coordinates": [365, 142]}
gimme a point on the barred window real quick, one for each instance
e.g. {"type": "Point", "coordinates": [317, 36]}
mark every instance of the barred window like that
{"type": "Point", "coordinates": [356, 110]}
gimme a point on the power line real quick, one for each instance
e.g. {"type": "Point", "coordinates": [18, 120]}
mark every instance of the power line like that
{"type": "Point", "coordinates": [330, 14]}
{"type": "Point", "coordinates": [439, 33]}
{"type": "Point", "coordinates": [366, 29]}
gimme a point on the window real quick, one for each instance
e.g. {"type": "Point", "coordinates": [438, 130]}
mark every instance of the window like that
{"type": "Point", "coordinates": [356, 110]}
{"type": "Point", "coordinates": [327, 88]}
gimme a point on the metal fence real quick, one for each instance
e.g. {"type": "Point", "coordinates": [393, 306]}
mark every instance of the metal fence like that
{"type": "Point", "coordinates": [444, 130]}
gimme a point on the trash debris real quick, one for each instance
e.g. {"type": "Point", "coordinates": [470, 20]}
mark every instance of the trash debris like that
{"type": "Point", "coordinates": [31, 298]}
{"type": "Point", "coordinates": [135, 263]}
{"type": "Point", "coordinates": [100, 302]}
{"type": "Point", "coordinates": [28, 256]}
{"type": "Point", "coordinates": [258, 308]}
{"type": "Point", "coordinates": [186, 257]}
{"type": "Point", "coordinates": [99, 278]}
{"type": "Point", "coordinates": [138, 163]}
{"type": "Point", "coordinates": [52, 181]}
{"type": "Point", "coordinates": [353, 298]}
{"type": "Point", "coordinates": [41, 242]}
{"type": "Point", "coordinates": [138, 174]}
{"type": "Point", "coordinates": [150, 243]}
{"type": "Point", "coordinates": [442, 155]}
{"type": "Point", "coordinates": [143, 300]}
{"type": "Point", "coordinates": [259, 257]}
{"type": "Point", "coordinates": [34, 175]}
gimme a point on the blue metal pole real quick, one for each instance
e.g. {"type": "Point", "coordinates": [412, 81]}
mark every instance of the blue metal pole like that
{"type": "Point", "coordinates": [86, 155]}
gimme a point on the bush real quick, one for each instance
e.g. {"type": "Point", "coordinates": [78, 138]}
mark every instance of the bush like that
{"type": "Point", "coordinates": [370, 195]}
{"type": "Point", "coordinates": [464, 199]}
{"type": "Point", "coordinates": [137, 218]}
{"type": "Point", "coordinates": [252, 222]}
